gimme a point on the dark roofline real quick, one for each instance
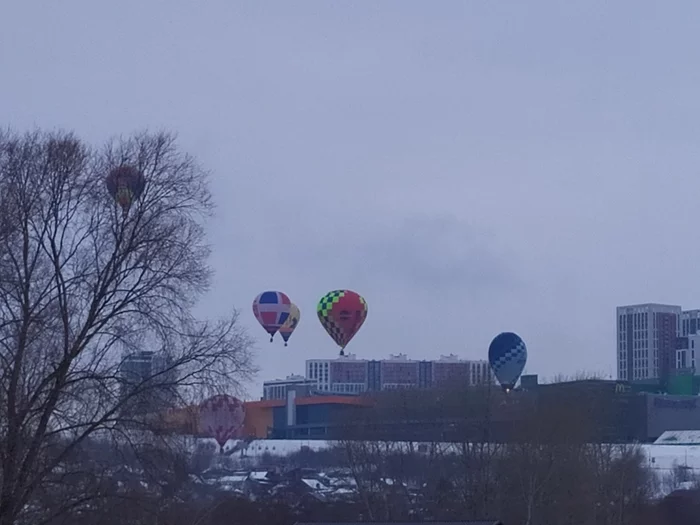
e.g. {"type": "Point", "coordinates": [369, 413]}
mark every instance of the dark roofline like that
{"type": "Point", "coordinates": [590, 381]}
{"type": "Point", "coordinates": [467, 522]}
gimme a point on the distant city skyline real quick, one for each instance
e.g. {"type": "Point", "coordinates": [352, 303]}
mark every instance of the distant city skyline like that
{"type": "Point", "coordinates": [349, 375]}
{"type": "Point", "coordinates": [154, 373]}
{"type": "Point", "coordinates": [656, 341]}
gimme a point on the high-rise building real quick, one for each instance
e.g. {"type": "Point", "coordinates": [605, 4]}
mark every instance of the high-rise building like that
{"type": "Point", "coordinates": [450, 369]}
{"type": "Point", "coordinates": [656, 342]}
{"type": "Point", "coordinates": [349, 375]}
{"type": "Point", "coordinates": [689, 323]}
{"type": "Point", "coordinates": [319, 371]}
{"type": "Point", "coordinates": [149, 379]}
{"type": "Point", "coordinates": [688, 354]}
{"type": "Point", "coordinates": [344, 375]}
{"type": "Point", "coordinates": [647, 340]}
{"type": "Point", "coordinates": [398, 372]}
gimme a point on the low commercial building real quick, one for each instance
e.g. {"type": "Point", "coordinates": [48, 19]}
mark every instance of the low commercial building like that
{"type": "Point", "coordinates": [297, 417]}
{"type": "Point", "coordinates": [312, 417]}
{"type": "Point", "coordinates": [587, 411]}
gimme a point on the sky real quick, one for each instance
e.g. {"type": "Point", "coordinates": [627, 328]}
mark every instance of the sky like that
{"type": "Point", "coordinates": [469, 167]}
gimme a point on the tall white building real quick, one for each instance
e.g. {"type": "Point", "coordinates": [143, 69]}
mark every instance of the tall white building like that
{"type": "Point", "coordinates": [319, 370]}
{"type": "Point", "coordinates": [689, 323]}
{"type": "Point", "coordinates": [646, 341]}
{"type": "Point", "coordinates": [480, 373]}
{"type": "Point", "coordinates": [342, 375]}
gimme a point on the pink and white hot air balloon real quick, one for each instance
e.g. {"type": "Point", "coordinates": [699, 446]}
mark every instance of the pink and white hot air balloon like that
{"type": "Point", "coordinates": [221, 417]}
{"type": "Point", "coordinates": [271, 309]}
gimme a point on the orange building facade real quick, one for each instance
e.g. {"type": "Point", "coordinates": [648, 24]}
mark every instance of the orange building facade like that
{"type": "Point", "coordinates": [276, 418]}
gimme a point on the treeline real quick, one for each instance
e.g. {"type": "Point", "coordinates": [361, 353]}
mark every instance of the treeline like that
{"type": "Point", "coordinates": [535, 481]}
{"type": "Point", "coordinates": [532, 458]}
{"type": "Point", "coordinates": [552, 469]}
{"type": "Point", "coordinates": [679, 508]}
{"type": "Point", "coordinates": [528, 482]}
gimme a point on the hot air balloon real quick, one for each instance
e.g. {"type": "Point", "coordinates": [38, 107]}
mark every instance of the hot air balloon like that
{"type": "Point", "coordinates": [342, 313]}
{"type": "Point", "coordinates": [125, 184]}
{"type": "Point", "coordinates": [221, 417]}
{"type": "Point", "coordinates": [271, 309]}
{"type": "Point", "coordinates": [291, 323]}
{"type": "Point", "coordinates": [507, 356]}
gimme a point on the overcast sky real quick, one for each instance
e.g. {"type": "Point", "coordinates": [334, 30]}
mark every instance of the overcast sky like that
{"type": "Point", "coordinates": [469, 167]}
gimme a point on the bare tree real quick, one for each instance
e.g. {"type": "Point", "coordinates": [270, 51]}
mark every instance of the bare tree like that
{"type": "Point", "coordinates": [581, 375]}
{"type": "Point", "coordinates": [479, 449]}
{"type": "Point", "coordinates": [525, 457]}
{"type": "Point", "coordinates": [529, 465]}
{"type": "Point", "coordinates": [558, 469]}
{"type": "Point", "coordinates": [81, 283]}
{"type": "Point", "coordinates": [680, 476]}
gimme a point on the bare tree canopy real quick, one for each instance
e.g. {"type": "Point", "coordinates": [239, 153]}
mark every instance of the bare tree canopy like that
{"type": "Point", "coordinates": [81, 284]}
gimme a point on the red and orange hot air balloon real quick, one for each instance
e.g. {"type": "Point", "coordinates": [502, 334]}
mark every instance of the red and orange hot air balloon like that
{"type": "Point", "coordinates": [342, 313]}
{"type": "Point", "coordinates": [125, 184]}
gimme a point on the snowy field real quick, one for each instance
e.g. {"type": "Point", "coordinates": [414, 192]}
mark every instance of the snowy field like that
{"type": "Point", "coordinates": [663, 457]}
{"type": "Point", "coordinates": [659, 457]}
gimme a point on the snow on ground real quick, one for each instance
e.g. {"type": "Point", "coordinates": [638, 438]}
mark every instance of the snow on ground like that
{"type": "Point", "coordinates": [238, 478]}
{"type": "Point", "coordinates": [659, 457]}
{"type": "Point", "coordinates": [663, 457]}
{"type": "Point", "coordinates": [283, 447]}
{"type": "Point", "coordinates": [312, 483]}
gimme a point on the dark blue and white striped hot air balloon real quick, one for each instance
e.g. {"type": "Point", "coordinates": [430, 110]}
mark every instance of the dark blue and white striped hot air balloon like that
{"type": "Point", "coordinates": [507, 356]}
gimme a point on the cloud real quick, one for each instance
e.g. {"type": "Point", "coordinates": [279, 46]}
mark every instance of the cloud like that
{"type": "Point", "coordinates": [469, 168]}
{"type": "Point", "coordinates": [416, 253]}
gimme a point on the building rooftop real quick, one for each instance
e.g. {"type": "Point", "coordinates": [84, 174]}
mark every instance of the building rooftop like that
{"type": "Point", "coordinates": [649, 305]}
{"type": "Point", "coordinates": [290, 379]}
{"type": "Point", "coordinates": [679, 437]}
{"type": "Point", "coordinates": [450, 358]}
{"type": "Point", "coordinates": [312, 400]}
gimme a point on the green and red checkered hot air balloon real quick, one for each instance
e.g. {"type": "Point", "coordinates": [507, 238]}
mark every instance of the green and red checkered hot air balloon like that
{"type": "Point", "coordinates": [342, 313]}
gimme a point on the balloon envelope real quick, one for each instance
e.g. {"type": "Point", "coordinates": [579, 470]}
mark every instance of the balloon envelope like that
{"type": "Point", "coordinates": [507, 356]}
{"type": "Point", "coordinates": [271, 309]}
{"type": "Point", "coordinates": [342, 313]}
{"type": "Point", "coordinates": [125, 184]}
{"type": "Point", "coordinates": [291, 323]}
{"type": "Point", "coordinates": [221, 417]}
